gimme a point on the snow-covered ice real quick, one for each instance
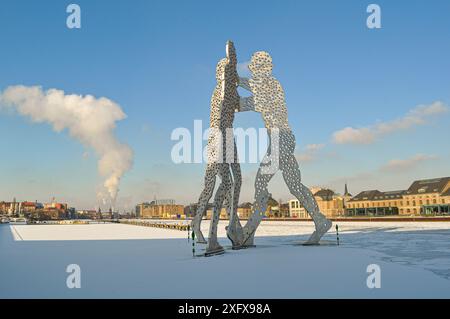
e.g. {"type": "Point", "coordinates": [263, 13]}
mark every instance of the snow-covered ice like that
{"type": "Point", "coordinates": [91, 232]}
{"type": "Point", "coordinates": [127, 261]}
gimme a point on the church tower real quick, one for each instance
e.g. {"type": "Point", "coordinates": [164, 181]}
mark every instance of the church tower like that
{"type": "Point", "coordinates": [347, 196]}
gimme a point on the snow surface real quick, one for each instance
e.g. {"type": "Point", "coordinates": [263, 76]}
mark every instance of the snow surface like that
{"type": "Point", "coordinates": [126, 261]}
{"type": "Point", "coordinates": [92, 232]}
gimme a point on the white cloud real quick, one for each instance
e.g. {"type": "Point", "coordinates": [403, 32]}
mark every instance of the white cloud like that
{"type": "Point", "coordinates": [350, 135]}
{"type": "Point", "coordinates": [367, 135]}
{"type": "Point", "coordinates": [305, 157]}
{"type": "Point", "coordinates": [310, 153]}
{"type": "Point", "coordinates": [314, 147]}
{"type": "Point", "coordinates": [396, 165]}
{"type": "Point", "coordinates": [89, 120]}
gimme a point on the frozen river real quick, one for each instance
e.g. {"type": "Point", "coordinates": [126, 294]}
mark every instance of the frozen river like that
{"type": "Point", "coordinates": [142, 262]}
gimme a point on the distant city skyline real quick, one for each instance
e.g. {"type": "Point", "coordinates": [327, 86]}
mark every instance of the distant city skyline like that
{"type": "Point", "coordinates": [368, 107]}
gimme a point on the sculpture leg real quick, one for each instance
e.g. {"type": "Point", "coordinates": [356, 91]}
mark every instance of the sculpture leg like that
{"type": "Point", "coordinates": [205, 196]}
{"type": "Point", "coordinates": [234, 228]}
{"type": "Point", "coordinates": [227, 203]}
{"type": "Point", "coordinates": [260, 205]}
{"type": "Point", "coordinates": [224, 187]}
{"type": "Point", "coordinates": [292, 177]}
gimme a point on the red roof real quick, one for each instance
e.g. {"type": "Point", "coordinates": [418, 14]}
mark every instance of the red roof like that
{"type": "Point", "coordinates": [28, 204]}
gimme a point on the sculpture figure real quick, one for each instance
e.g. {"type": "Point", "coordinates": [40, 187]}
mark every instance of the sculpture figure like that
{"type": "Point", "coordinates": [224, 103]}
{"type": "Point", "coordinates": [268, 99]}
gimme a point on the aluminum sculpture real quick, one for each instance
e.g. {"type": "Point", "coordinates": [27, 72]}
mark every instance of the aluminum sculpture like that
{"type": "Point", "coordinates": [224, 103]}
{"type": "Point", "coordinates": [268, 99]}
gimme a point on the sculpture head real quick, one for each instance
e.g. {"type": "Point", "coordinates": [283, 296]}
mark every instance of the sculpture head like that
{"type": "Point", "coordinates": [261, 63]}
{"type": "Point", "coordinates": [231, 52]}
{"type": "Point", "coordinates": [220, 70]}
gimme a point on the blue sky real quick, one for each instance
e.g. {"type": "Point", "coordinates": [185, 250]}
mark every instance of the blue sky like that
{"type": "Point", "coordinates": [157, 59]}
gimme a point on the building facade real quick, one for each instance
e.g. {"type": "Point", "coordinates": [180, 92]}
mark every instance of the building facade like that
{"type": "Point", "coordinates": [223, 213]}
{"type": "Point", "coordinates": [87, 214]}
{"type": "Point", "coordinates": [35, 210]}
{"type": "Point", "coordinates": [424, 197]}
{"type": "Point", "coordinates": [160, 209]}
{"type": "Point", "coordinates": [375, 203]}
{"type": "Point", "coordinates": [330, 204]}
{"type": "Point", "coordinates": [427, 197]}
{"type": "Point", "coordinates": [245, 210]}
{"type": "Point", "coordinates": [296, 210]}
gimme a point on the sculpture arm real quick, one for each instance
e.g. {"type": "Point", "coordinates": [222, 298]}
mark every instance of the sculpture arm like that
{"type": "Point", "coordinates": [246, 104]}
{"type": "Point", "coordinates": [244, 83]}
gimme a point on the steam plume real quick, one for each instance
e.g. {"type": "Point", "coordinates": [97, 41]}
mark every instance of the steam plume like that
{"type": "Point", "coordinates": [89, 120]}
